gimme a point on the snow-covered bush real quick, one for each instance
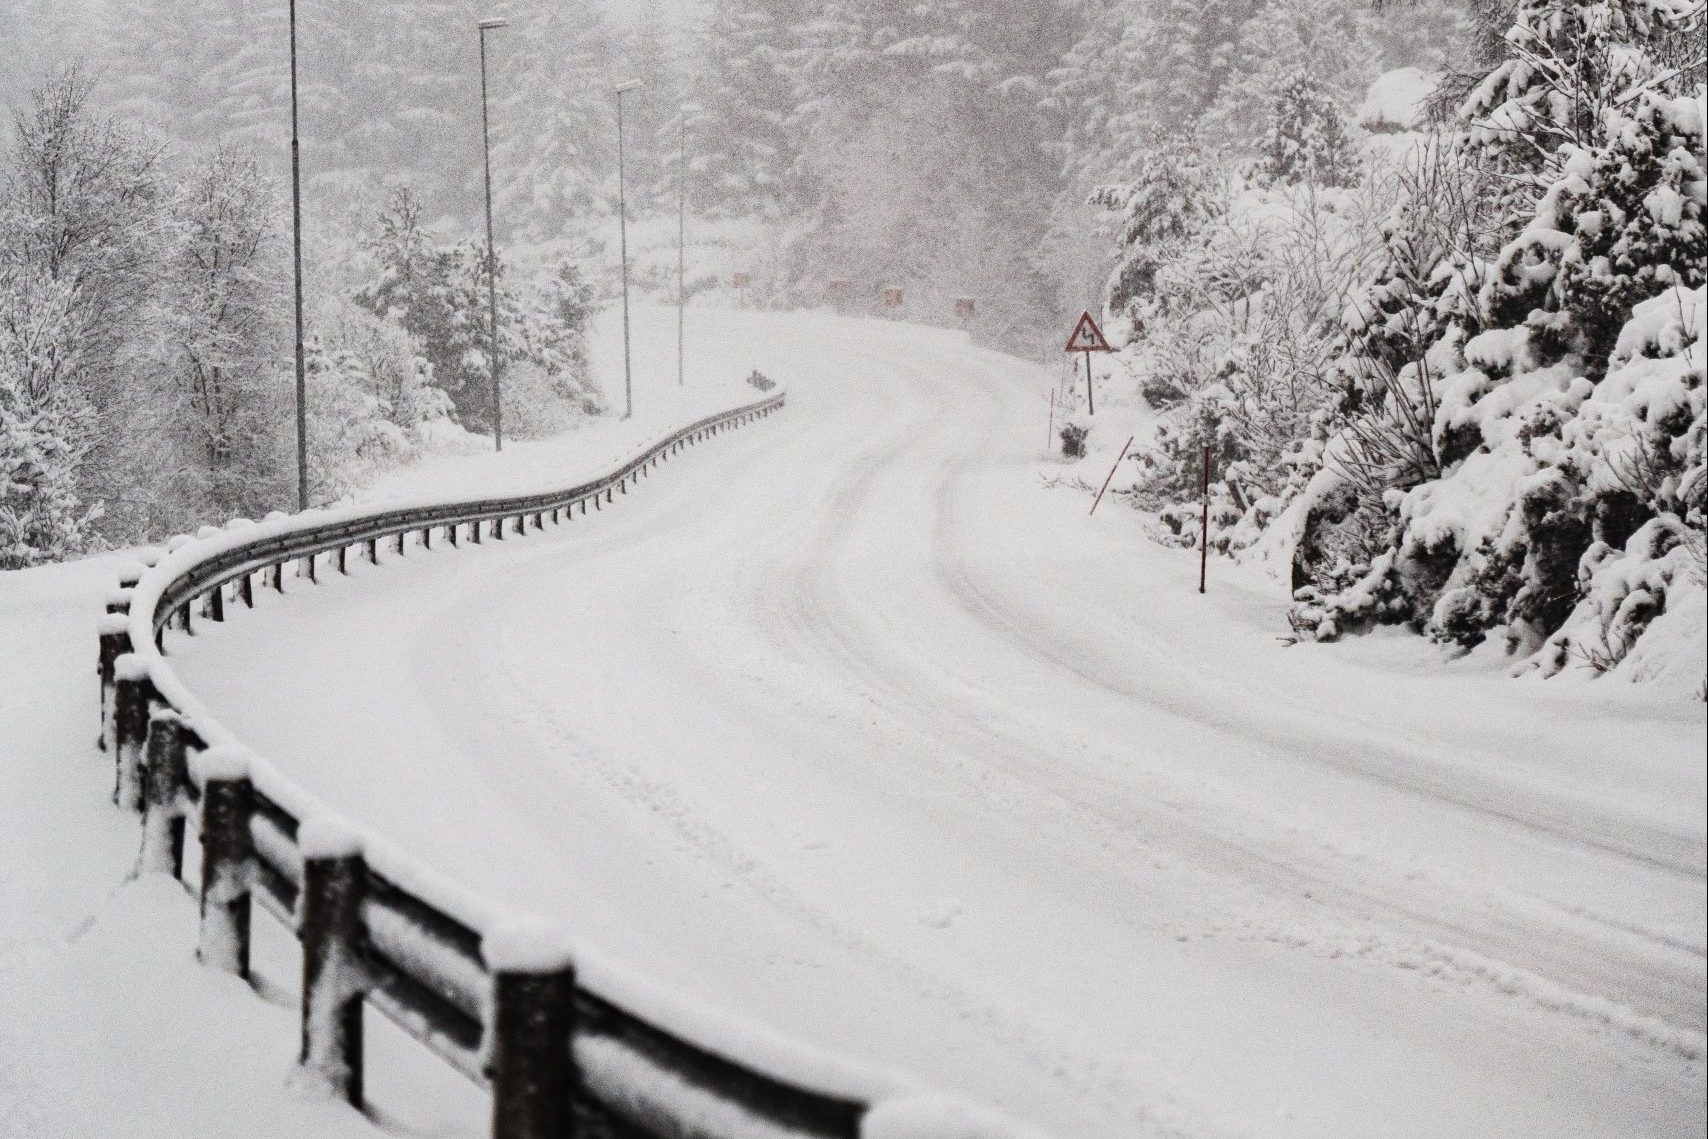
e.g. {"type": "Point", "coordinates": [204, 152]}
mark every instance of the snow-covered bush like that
{"type": "Point", "coordinates": [1567, 411]}
{"type": "Point", "coordinates": [1073, 436]}
{"type": "Point", "coordinates": [1234, 343]}
{"type": "Point", "coordinates": [1638, 442]}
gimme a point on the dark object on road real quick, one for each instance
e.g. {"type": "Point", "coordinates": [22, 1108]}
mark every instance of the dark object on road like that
{"type": "Point", "coordinates": [1073, 440]}
{"type": "Point", "coordinates": [761, 381]}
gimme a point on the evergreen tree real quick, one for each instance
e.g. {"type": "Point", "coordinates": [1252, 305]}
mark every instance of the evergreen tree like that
{"type": "Point", "coordinates": [554, 121]}
{"type": "Point", "coordinates": [747, 94]}
{"type": "Point", "coordinates": [1324, 40]}
{"type": "Point", "coordinates": [1306, 141]}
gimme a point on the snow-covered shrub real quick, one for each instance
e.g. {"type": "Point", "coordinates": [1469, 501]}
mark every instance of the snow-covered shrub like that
{"type": "Point", "coordinates": [1235, 346]}
{"type": "Point", "coordinates": [1639, 443]}
{"type": "Point", "coordinates": [1558, 454]}
{"type": "Point", "coordinates": [351, 435]}
{"type": "Point", "coordinates": [1073, 437]}
{"type": "Point", "coordinates": [385, 360]}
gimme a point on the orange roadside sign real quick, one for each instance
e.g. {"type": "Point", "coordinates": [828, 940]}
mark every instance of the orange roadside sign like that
{"type": "Point", "coordinates": [1087, 337]}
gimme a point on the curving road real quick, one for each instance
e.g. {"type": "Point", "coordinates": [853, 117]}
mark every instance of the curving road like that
{"type": "Point", "coordinates": [847, 726]}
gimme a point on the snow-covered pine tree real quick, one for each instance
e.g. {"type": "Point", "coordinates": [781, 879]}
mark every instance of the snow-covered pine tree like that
{"type": "Point", "coordinates": [554, 122]}
{"type": "Point", "coordinates": [747, 90]}
{"type": "Point", "coordinates": [1324, 40]}
{"type": "Point", "coordinates": [1307, 140]}
{"type": "Point", "coordinates": [1166, 205]}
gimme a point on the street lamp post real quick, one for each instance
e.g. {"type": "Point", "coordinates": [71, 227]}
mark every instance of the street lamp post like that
{"type": "Point", "coordinates": [491, 255]}
{"type": "Point", "coordinates": [296, 255]}
{"type": "Point", "coordinates": [681, 237]}
{"type": "Point", "coordinates": [623, 244]}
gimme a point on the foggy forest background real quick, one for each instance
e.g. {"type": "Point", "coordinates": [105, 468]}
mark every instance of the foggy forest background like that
{"type": "Point", "coordinates": [1305, 220]}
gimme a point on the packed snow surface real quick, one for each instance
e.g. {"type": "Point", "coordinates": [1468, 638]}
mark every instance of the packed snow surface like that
{"type": "Point", "coordinates": [846, 729]}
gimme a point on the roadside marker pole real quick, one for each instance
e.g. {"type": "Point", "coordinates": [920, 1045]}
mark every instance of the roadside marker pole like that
{"type": "Point", "coordinates": [1050, 439]}
{"type": "Point", "coordinates": [1106, 481]}
{"type": "Point", "coordinates": [1204, 526]}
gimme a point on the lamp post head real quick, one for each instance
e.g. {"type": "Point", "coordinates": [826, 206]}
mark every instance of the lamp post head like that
{"type": "Point", "coordinates": [629, 85]}
{"type": "Point", "coordinates": [495, 22]}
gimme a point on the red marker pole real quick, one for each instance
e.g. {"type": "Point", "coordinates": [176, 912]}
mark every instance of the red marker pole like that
{"type": "Point", "coordinates": [1090, 399]}
{"type": "Point", "coordinates": [1204, 530]}
{"type": "Point", "coordinates": [1106, 481]}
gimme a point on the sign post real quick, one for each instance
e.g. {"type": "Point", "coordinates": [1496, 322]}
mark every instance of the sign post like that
{"type": "Point", "coordinates": [1088, 338]}
{"type": "Point", "coordinates": [741, 281]}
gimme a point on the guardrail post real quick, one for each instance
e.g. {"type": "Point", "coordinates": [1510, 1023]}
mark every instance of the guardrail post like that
{"type": "Point", "coordinates": [246, 589]}
{"type": "Point", "coordinates": [115, 643]}
{"type": "Point", "coordinates": [532, 1070]}
{"type": "Point", "coordinates": [227, 850]}
{"type": "Point", "coordinates": [164, 779]}
{"type": "Point", "coordinates": [132, 691]}
{"type": "Point", "coordinates": [308, 564]}
{"type": "Point", "coordinates": [400, 542]}
{"type": "Point", "coordinates": [498, 527]}
{"type": "Point", "coordinates": [329, 926]}
{"type": "Point", "coordinates": [426, 537]}
{"type": "Point", "coordinates": [216, 603]}
{"type": "Point", "coordinates": [451, 535]}
{"type": "Point", "coordinates": [184, 619]}
{"type": "Point", "coordinates": [278, 570]}
{"type": "Point", "coordinates": [344, 560]}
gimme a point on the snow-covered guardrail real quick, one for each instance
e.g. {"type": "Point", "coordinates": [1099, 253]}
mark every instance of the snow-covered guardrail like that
{"type": "Point", "coordinates": [568, 1046]}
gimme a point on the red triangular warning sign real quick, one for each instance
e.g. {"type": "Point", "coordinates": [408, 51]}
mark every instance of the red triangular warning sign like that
{"type": "Point", "coordinates": [1087, 337]}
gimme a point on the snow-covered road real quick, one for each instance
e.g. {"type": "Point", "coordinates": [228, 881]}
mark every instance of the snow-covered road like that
{"type": "Point", "coordinates": [843, 725]}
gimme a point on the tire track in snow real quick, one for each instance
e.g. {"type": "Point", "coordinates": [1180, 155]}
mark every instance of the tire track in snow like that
{"type": "Point", "coordinates": [1111, 1084]}
{"type": "Point", "coordinates": [1679, 990]}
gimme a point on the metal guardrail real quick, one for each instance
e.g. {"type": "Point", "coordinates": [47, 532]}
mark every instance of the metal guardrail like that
{"type": "Point", "coordinates": [501, 1002]}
